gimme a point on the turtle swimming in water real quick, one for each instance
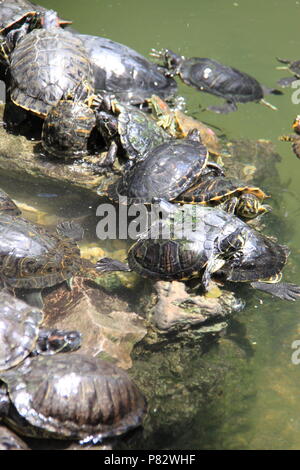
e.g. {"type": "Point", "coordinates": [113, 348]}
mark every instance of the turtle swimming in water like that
{"type": "Point", "coordinates": [207, 243]}
{"type": "Point", "coordinates": [220, 80]}
{"type": "Point", "coordinates": [293, 67]}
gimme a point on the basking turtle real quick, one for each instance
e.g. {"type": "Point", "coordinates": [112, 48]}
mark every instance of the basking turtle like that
{"type": "Point", "coordinates": [70, 396]}
{"type": "Point", "coordinates": [68, 127]}
{"type": "Point", "coordinates": [165, 172]}
{"type": "Point", "coordinates": [7, 205]}
{"type": "Point", "coordinates": [210, 76]}
{"type": "Point", "coordinates": [233, 195]}
{"type": "Point", "coordinates": [32, 258]}
{"type": "Point", "coordinates": [295, 139]}
{"type": "Point", "coordinates": [124, 72]}
{"type": "Point", "coordinates": [207, 242]}
{"type": "Point", "coordinates": [47, 64]}
{"type": "Point", "coordinates": [127, 127]}
{"type": "Point", "coordinates": [21, 335]}
{"type": "Point", "coordinates": [293, 67]}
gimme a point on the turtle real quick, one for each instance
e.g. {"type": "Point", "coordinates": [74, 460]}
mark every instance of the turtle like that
{"type": "Point", "coordinates": [205, 243]}
{"type": "Point", "coordinates": [210, 76]}
{"type": "Point", "coordinates": [47, 64]}
{"type": "Point", "coordinates": [32, 257]}
{"type": "Point", "coordinates": [7, 205]}
{"type": "Point", "coordinates": [233, 195]}
{"type": "Point", "coordinates": [293, 67]}
{"type": "Point", "coordinates": [67, 130]}
{"type": "Point", "coordinates": [125, 127]}
{"type": "Point", "coordinates": [165, 171]}
{"type": "Point", "coordinates": [295, 139]}
{"type": "Point", "coordinates": [70, 396]}
{"type": "Point", "coordinates": [124, 72]}
{"type": "Point", "coordinates": [21, 335]}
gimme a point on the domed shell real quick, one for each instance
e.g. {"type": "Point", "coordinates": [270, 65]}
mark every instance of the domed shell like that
{"type": "Point", "coordinates": [73, 397]}
{"type": "Point", "coordinates": [19, 327]}
{"type": "Point", "coordinates": [165, 172]}
{"type": "Point", "coordinates": [45, 65]}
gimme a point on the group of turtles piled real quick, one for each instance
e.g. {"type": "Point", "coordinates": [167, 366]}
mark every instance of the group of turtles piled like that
{"type": "Point", "coordinates": [89, 90]}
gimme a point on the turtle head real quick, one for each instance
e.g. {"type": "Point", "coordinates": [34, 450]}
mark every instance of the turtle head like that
{"type": "Point", "coordinates": [296, 125]}
{"type": "Point", "coordinates": [249, 206]}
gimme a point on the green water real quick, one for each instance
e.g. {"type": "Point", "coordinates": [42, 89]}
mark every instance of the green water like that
{"type": "Point", "coordinates": [247, 35]}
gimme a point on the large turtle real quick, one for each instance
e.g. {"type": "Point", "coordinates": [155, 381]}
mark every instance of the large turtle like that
{"type": "Point", "coordinates": [124, 72]}
{"type": "Point", "coordinates": [32, 258]}
{"type": "Point", "coordinates": [70, 396]}
{"type": "Point", "coordinates": [210, 76]}
{"type": "Point", "coordinates": [47, 64]}
{"type": "Point", "coordinates": [207, 242]}
{"type": "Point", "coordinates": [165, 171]}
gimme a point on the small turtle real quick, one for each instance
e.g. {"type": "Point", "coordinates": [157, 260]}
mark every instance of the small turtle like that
{"type": "Point", "coordinates": [165, 172]}
{"type": "Point", "coordinates": [124, 72]}
{"type": "Point", "coordinates": [233, 195]}
{"type": "Point", "coordinates": [32, 258]}
{"type": "Point", "coordinates": [68, 127]}
{"type": "Point", "coordinates": [295, 139]}
{"type": "Point", "coordinates": [207, 242]}
{"type": "Point", "coordinates": [70, 396]}
{"type": "Point", "coordinates": [293, 67]}
{"type": "Point", "coordinates": [210, 76]}
{"type": "Point", "coordinates": [7, 205]}
{"type": "Point", "coordinates": [126, 127]}
{"type": "Point", "coordinates": [47, 64]}
{"type": "Point", "coordinates": [21, 335]}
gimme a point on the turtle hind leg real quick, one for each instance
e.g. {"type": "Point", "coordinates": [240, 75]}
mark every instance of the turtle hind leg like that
{"type": "Point", "coordinates": [227, 108]}
{"type": "Point", "coordinates": [286, 81]}
{"type": "Point", "coordinates": [283, 290]}
{"type": "Point", "coordinates": [109, 265]}
{"type": "Point", "coordinates": [70, 229]}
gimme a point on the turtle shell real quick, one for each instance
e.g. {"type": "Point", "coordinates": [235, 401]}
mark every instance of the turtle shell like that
{"type": "Point", "coordinates": [226, 82]}
{"type": "Point", "coordinates": [67, 129]}
{"type": "Point", "coordinates": [47, 64]}
{"type": "Point", "coordinates": [73, 396]}
{"type": "Point", "coordinates": [165, 172]}
{"type": "Point", "coordinates": [216, 189]}
{"type": "Point", "coordinates": [137, 131]}
{"type": "Point", "coordinates": [31, 257]}
{"type": "Point", "coordinates": [19, 327]}
{"type": "Point", "coordinates": [181, 251]}
{"type": "Point", "coordinates": [7, 205]}
{"type": "Point", "coordinates": [124, 72]}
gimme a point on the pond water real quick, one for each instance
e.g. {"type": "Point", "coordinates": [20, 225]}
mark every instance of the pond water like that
{"type": "Point", "coordinates": [259, 406]}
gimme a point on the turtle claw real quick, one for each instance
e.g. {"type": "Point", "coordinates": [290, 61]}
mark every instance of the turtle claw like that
{"type": "Point", "coordinates": [282, 290]}
{"type": "Point", "coordinates": [110, 265]}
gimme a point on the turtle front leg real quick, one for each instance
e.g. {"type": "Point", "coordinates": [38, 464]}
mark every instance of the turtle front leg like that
{"type": "Point", "coordinates": [107, 164]}
{"type": "Point", "coordinates": [283, 290]}
{"type": "Point", "coordinates": [227, 108]}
